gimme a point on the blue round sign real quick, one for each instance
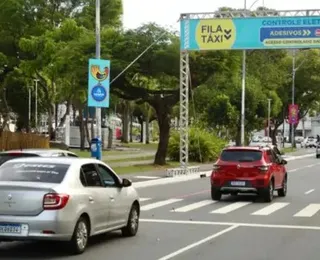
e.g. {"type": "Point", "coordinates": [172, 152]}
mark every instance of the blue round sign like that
{"type": "Point", "coordinates": [98, 93]}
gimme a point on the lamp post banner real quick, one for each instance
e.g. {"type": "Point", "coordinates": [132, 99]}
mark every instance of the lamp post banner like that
{"type": "Point", "coordinates": [98, 83]}
{"type": "Point", "coordinates": [293, 114]}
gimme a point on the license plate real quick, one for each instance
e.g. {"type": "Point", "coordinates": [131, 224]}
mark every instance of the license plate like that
{"type": "Point", "coordinates": [10, 228]}
{"type": "Point", "coordinates": [238, 183]}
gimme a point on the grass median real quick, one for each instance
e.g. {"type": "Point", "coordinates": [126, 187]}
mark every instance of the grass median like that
{"type": "Point", "coordinates": [288, 150]}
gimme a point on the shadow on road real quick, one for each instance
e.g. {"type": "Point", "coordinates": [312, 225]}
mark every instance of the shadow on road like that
{"type": "Point", "coordinates": [48, 250]}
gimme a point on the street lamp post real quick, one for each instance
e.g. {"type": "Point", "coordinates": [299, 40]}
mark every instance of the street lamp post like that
{"type": "Point", "coordinates": [293, 93]}
{"type": "Point", "coordinates": [98, 56]}
{"type": "Point", "coordinates": [36, 104]}
{"type": "Point", "coordinates": [29, 107]}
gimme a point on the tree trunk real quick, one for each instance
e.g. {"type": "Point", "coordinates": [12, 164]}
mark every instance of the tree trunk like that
{"type": "Point", "coordinates": [164, 128]}
{"type": "Point", "coordinates": [141, 131]}
{"type": "Point", "coordinates": [131, 128]}
{"type": "Point", "coordinates": [56, 111]}
{"type": "Point", "coordinates": [147, 131]}
{"type": "Point", "coordinates": [81, 128]}
{"type": "Point", "coordinates": [125, 124]}
{"type": "Point", "coordinates": [63, 119]}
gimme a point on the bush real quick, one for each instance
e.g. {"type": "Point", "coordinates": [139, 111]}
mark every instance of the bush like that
{"type": "Point", "coordinates": [201, 142]}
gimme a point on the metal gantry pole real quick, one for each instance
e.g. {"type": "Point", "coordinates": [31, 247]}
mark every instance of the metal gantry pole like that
{"type": "Point", "coordinates": [243, 92]}
{"type": "Point", "coordinates": [184, 110]}
{"type": "Point", "coordinates": [293, 93]}
{"type": "Point", "coordinates": [184, 99]}
{"type": "Point", "coordinates": [98, 55]}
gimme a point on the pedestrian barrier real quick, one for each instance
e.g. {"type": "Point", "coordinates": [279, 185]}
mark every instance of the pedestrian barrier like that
{"type": "Point", "coordinates": [181, 171]}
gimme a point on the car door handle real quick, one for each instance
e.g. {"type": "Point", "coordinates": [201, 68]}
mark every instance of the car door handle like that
{"type": "Point", "coordinates": [111, 197]}
{"type": "Point", "coordinates": [91, 199]}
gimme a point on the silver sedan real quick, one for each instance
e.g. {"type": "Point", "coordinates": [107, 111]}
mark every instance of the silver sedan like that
{"type": "Point", "coordinates": [64, 199]}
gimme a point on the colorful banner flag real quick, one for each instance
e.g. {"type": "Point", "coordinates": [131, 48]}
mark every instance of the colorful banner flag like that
{"type": "Point", "coordinates": [293, 114]}
{"type": "Point", "coordinates": [98, 83]}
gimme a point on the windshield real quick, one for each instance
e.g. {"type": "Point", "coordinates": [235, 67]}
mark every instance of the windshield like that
{"type": "Point", "coordinates": [241, 155]}
{"type": "Point", "coordinates": [33, 172]}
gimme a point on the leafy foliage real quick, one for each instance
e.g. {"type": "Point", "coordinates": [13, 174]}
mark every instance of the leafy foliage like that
{"type": "Point", "coordinates": [204, 145]}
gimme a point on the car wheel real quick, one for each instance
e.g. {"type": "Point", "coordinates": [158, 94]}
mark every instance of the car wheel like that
{"type": "Point", "coordinates": [80, 236]}
{"type": "Point", "coordinates": [215, 194]}
{"type": "Point", "coordinates": [268, 192]}
{"type": "Point", "coordinates": [317, 156]}
{"type": "Point", "coordinates": [283, 191]}
{"type": "Point", "coordinates": [132, 226]}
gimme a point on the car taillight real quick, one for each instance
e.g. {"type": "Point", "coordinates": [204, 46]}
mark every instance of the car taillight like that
{"type": "Point", "coordinates": [54, 201]}
{"type": "Point", "coordinates": [263, 168]}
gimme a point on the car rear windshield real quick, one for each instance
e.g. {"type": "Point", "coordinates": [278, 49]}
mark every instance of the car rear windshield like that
{"type": "Point", "coordinates": [9, 156]}
{"type": "Point", "coordinates": [33, 172]}
{"type": "Point", "coordinates": [241, 155]}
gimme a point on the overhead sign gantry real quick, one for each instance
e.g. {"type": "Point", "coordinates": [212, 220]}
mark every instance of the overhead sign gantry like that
{"type": "Point", "coordinates": [238, 30]}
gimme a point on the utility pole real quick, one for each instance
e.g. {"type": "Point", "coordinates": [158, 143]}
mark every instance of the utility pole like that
{"type": "Point", "coordinates": [98, 56]}
{"type": "Point", "coordinates": [36, 105]}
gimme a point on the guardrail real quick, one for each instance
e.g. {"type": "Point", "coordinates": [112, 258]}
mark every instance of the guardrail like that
{"type": "Point", "coordinates": [175, 172]}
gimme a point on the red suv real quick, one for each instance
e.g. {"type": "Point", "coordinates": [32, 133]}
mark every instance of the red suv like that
{"type": "Point", "coordinates": [258, 170]}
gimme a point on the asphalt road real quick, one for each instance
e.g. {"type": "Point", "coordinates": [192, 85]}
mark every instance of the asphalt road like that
{"type": "Point", "coordinates": [174, 227]}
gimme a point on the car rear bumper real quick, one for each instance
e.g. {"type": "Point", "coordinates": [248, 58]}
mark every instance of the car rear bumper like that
{"type": "Point", "coordinates": [49, 225]}
{"type": "Point", "coordinates": [252, 185]}
{"type": "Point", "coordinates": [238, 189]}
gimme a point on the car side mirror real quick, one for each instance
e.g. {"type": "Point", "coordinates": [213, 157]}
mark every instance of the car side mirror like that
{"type": "Point", "coordinates": [126, 183]}
{"type": "Point", "coordinates": [283, 162]}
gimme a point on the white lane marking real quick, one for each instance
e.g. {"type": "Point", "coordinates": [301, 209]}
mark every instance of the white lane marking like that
{"type": "Point", "coordinates": [193, 206]}
{"type": "Point", "coordinates": [308, 211]}
{"type": "Point", "coordinates": [144, 199]}
{"type": "Point", "coordinates": [198, 243]}
{"type": "Point", "coordinates": [311, 165]}
{"type": "Point", "coordinates": [159, 204]}
{"type": "Point", "coordinates": [147, 177]}
{"type": "Point", "coordinates": [270, 209]}
{"type": "Point", "coordinates": [309, 191]}
{"type": "Point", "coordinates": [293, 170]}
{"type": "Point", "coordinates": [231, 207]}
{"type": "Point", "coordinates": [209, 223]}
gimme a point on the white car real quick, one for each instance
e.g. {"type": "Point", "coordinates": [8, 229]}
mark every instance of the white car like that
{"type": "Point", "coordinates": [64, 199]}
{"type": "Point", "coordinates": [309, 142]}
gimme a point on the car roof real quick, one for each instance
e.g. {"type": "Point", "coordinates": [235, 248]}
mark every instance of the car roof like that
{"type": "Point", "coordinates": [249, 148]}
{"type": "Point", "coordinates": [243, 148]}
{"type": "Point", "coordinates": [56, 160]}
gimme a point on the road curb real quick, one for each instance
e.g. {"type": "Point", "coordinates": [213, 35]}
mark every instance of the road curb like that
{"type": "Point", "coordinates": [171, 180]}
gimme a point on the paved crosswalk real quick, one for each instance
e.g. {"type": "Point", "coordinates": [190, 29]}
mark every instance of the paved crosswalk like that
{"type": "Point", "coordinates": [215, 207]}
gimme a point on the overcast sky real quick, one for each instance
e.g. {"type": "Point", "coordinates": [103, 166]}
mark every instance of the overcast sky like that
{"type": "Point", "coordinates": [167, 12]}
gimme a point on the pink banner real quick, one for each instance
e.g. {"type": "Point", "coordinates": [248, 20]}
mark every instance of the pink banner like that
{"type": "Point", "coordinates": [293, 114]}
